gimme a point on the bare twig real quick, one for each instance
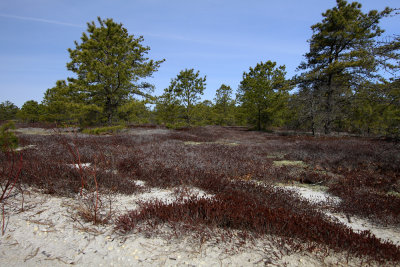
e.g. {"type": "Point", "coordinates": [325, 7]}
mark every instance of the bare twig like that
{"type": "Point", "coordinates": [32, 255]}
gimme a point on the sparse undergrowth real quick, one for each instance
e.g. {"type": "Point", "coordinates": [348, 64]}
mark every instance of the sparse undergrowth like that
{"type": "Point", "coordinates": [364, 173]}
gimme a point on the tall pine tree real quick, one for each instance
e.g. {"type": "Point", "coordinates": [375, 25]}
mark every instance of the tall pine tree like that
{"type": "Point", "coordinates": [340, 56]}
{"type": "Point", "coordinates": [263, 93]}
{"type": "Point", "coordinates": [224, 105]}
{"type": "Point", "coordinates": [108, 64]}
{"type": "Point", "coordinates": [187, 88]}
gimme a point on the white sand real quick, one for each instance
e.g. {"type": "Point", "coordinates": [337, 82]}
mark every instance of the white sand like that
{"type": "Point", "coordinates": [82, 165]}
{"type": "Point", "coordinates": [313, 195]}
{"type": "Point", "coordinates": [390, 234]}
{"type": "Point", "coordinates": [50, 233]}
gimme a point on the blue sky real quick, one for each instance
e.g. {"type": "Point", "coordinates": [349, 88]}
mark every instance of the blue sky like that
{"type": "Point", "coordinates": [220, 38]}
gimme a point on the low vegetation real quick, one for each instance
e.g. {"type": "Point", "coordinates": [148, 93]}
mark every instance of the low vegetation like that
{"type": "Point", "coordinates": [103, 130]}
{"type": "Point", "coordinates": [8, 140]}
{"type": "Point", "coordinates": [242, 182]}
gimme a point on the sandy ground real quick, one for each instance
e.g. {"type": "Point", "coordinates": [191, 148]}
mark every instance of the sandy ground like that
{"type": "Point", "coordinates": [357, 224]}
{"type": "Point", "coordinates": [70, 130]}
{"type": "Point", "coordinates": [49, 232]}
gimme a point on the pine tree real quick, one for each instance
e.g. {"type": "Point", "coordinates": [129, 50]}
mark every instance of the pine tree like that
{"type": "Point", "coordinates": [57, 103]}
{"type": "Point", "coordinates": [263, 92]}
{"type": "Point", "coordinates": [109, 64]}
{"type": "Point", "coordinates": [8, 111]}
{"type": "Point", "coordinates": [187, 87]}
{"type": "Point", "coordinates": [340, 56]}
{"type": "Point", "coordinates": [135, 111]}
{"type": "Point", "coordinates": [168, 108]}
{"type": "Point", "coordinates": [224, 105]}
{"type": "Point", "coordinates": [30, 111]}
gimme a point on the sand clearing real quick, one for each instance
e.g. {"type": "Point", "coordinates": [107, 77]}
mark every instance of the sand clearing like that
{"type": "Point", "coordinates": [390, 234]}
{"type": "Point", "coordinates": [50, 233]}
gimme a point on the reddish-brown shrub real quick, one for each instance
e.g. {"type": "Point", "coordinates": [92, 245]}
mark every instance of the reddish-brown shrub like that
{"type": "Point", "coordinates": [232, 209]}
{"type": "Point", "coordinates": [360, 171]}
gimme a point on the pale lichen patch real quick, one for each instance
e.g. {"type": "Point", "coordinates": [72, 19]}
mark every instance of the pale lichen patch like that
{"type": "Point", "coordinates": [295, 163]}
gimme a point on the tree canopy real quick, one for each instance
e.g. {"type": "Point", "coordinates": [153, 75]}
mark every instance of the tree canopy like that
{"type": "Point", "coordinates": [341, 55]}
{"type": "Point", "coordinates": [224, 105]}
{"type": "Point", "coordinates": [8, 111]}
{"type": "Point", "coordinates": [187, 87]}
{"type": "Point", "coordinates": [262, 91]}
{"type": "Point", "coordinates": [109, 63]}
{"type": "Point", "coordinates": [30, 111]}
{"type": "Point", "coordinates": [348, 82]}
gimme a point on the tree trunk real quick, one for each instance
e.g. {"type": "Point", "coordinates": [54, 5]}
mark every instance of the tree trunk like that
{"type": "Point", "coordinates": [188, 115]}
{"type": "Point", "coordinates": [312, 114]}
{"type": "Point", "coordinates": [109, 111]}
{"type": "Point", "coordinates": [328, 113]}
{"type": "Point", "coordinates": [328, 107]}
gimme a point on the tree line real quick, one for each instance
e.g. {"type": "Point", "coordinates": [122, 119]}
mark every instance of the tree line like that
{"type": "Point", "coordinates": [348, 81]}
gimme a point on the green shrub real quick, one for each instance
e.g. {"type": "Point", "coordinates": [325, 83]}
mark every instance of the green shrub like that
{"type": "Point", "coordinates": [8, 140]}
{"type": "Point", "coordinates": [175, 126]}
{"type": "Point", "coordinates": [104, 130]}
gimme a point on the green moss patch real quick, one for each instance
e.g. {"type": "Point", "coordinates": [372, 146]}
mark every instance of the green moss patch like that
{"type": "Point", "coordinates": [104, 130]}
